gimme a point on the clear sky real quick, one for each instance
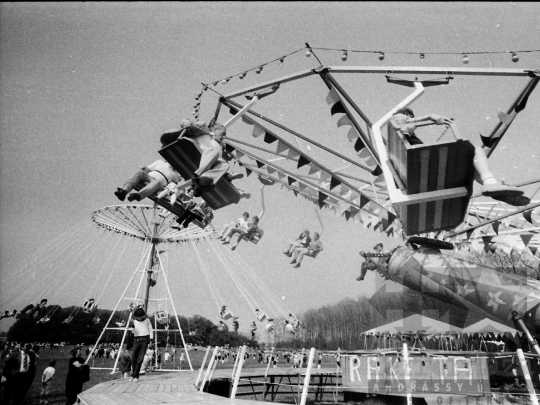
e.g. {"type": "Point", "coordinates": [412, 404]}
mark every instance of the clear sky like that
{"type": "Point", "coordinates": [86, 89]}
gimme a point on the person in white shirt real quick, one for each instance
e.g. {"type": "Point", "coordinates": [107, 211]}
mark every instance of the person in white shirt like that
{"type": "Point", "coordinates": [142, 330]}
{"type": "Point", "coordinates": [155, 177]}
{"type": "Point", "coordinates": [46, 382]}
{"type": "Point", "coordinates": [240, 223]}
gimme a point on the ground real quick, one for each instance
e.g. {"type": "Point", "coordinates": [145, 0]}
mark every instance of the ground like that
{"type": "Point", "coordinates": [98, 376]}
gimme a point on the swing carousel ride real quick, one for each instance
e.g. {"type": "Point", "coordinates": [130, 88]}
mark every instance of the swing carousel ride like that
{"type": "Point", "coordinates": [422, 194]}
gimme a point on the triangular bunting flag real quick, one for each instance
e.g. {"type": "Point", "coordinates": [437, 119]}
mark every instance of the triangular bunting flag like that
{"type": "Point", "coordinates": [322, 196]}
{"type": "Point", "coordinates": [246, 120]}
{"type": "Point", "coordinates": [363, 201]}
{"type": "Point", "coordinates": [334, 183]}
{"type": "Point", "coordinates": [321, 204]}
{"type": "Point", "coordinates": [239, 155]}
{"type": "Point", "coordinates": [270, 170]}
{"type": "Point", "coordinates": [469, 233]}
{"type": "Point", "coordinates": [281, 175]}
{"type": "Point", "coordinates": [233, 110]}
{"type": "Point", "coordinates": [487, 141]}
{"type": "Point", "coordinates": [269, 138]}
{"type": "Point", "coordinates": [533, 249]}
{"type": "Point", "coordinates": [526, 238]}
{"type": "Point", "coordinates": [229, 148]}
{"type": "Point", "coordinates": [344, 121]}
{"type": "Point", "coordinates": [258, 131]}
{"type": "Point", "coordinates": [302, 186]}
{"type": "Point", "coordinates": [290, 180]}
{"type": "Point", "coordinates": [302, 161]}
{"type": "Point", "coordinates": [338, 109]}
{"type": "Point", "coordinates": [259, 164]}
{"type": "Point", "coordinates": [377, 172]}
{"type": "Point", "coordinates": [248, 171]}
{"type": "Point", "coordinates": [496, 225]}
{"type": "Point", "coordinates": [292, 154]}
{"type": "Point", "coordinates": [281, 148]}
{"type": "Point", "coordinates": [332, 97]}
{"type": "Point", "coordinates": [352, 135]}
{"type": "Point", "coordinates": [347, 215]}
{"type": "Point", "coordinates": [528, 216]}
{"type": "Point", "coordinates": [390, 232]}
{"type": "Point", "coordinates": [391, 217]}
{"type": "Point", "coordinates": [314, 169]}
{"type": "Point", "coordinates": [379, 179]}
{"type": "Point", "coordinates": [295, 193]}
{"type": "Point", "coordinates": [359, 145]}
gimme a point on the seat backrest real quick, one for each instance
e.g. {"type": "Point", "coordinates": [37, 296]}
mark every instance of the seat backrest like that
{"type": "Point", "coordinates": [430, 167]}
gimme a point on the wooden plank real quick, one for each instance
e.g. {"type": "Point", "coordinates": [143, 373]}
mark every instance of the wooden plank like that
{"type": "Point", "coordinates": [433, 173]}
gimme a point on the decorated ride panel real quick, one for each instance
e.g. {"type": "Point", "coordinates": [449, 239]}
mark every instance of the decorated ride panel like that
{"type": "Point", "coordinates": [426, 168]}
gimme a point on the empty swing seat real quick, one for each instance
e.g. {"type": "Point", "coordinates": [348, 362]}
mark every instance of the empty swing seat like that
{"type": "Point", "coordinates": [184, 155]}
{"type": "Point", "coordinates": [436, 178]}
{"type": "Point", "coordinates": [162, 317]}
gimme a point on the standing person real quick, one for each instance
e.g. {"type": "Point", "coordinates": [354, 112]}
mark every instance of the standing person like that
{"type": "Point", "coordinates": [124, 360]}
{"type": "Point", "coordinates": [17, 374]}
{"type": "Point", "coordinates": [46, 382]}
{"type": "Point", "coordinates": [142, 330]}
{"type": "Point", "coordinates": [371, 263]}
{"type": "Point", "coordinates": [74, 383]}
{"type": "Point", "coordinates": [158, 355]}
{"type": "Point", "coordinates": [319, 362]}
{"type": "Point", "coordinates": [182, 358]}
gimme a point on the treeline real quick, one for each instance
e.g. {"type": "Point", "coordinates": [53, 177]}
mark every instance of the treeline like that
{"type": "Point", "coordinates": [341, 325]}
{"type": "Point", "coordinates": [83, 329]}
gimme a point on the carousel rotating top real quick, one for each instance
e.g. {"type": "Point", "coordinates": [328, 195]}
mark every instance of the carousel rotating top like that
{"type": "Point", "coordinates": [145, 223]}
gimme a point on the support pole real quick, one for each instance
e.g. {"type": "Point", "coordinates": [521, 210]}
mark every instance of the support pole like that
{"type": "Point", "coordinates": [151, 265]}
{"type": "Point", "coordinates": [532, 341]}
{"type": "Point", "coordinates": [238, 371]}
{"type": "Point", "coordinates": [307, 377]}
{"type": "Point", "coordinates": [527, 375]}
{"type": "Point", "coordinates": [407, 373]}
{"type": "Point", "coordinates": [209, 369]}
{"type": "Point", "coordinates": [202, 365]}
{"type": "Point", "coordinates": [114, 310]}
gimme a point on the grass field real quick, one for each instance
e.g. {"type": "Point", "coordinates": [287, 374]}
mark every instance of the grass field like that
{"type": "Point", "coordinates": [98, 376]}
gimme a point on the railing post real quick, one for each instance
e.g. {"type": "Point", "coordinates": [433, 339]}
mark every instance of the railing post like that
{"type": "Point", "coordinates": [527, 375]}
{"type": "Point", "coordinates": [209, 369]}
{"type": "Point", "coordinates": [235, 362]}
{"type": "Point", "coordinates": [238, 371]}
{"type": "Point", "coordinates": [202, 366]}
{"type": "Point", "coordinates": [407, 374]}
{"type": "Point", "coordinates": [308, 376]}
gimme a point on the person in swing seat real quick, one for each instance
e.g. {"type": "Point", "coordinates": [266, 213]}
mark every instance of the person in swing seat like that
{"type": "Point", "coordinates": [252, 228]}
{"type": "Point", "coordinates": [155, 177]}
{"type": "Point", "coordinates": [302, 241]}
{"type": "Point", "coordinates": [240, 223]}
{"type": "Point", "coordinates": [371, 263]}
{"type": "Point", "coordinates": [405, 122]}
{"type": "Point", "coordinates": [299, 252]}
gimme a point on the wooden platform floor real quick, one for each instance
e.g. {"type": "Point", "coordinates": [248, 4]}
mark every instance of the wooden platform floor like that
{"type": "Point", "coordinates": [175, 388]}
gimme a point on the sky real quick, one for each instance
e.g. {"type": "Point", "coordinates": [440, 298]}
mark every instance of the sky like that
{"type": "Point", "coordinates": [86, 89]}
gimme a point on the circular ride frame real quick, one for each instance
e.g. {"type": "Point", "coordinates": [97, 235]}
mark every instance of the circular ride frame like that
{"type": "Point", "coordinates": [144, 223]}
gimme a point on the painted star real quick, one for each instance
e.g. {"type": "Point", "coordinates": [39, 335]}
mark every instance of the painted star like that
{"type": "Point", "coordinates": [464, 290]}
{"type": "Point", "coordinates": [444, 281]}
{"type": "Point", "coordinates": [494, 300]}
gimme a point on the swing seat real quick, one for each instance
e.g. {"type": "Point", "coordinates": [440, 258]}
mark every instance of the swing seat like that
{"type": "Point", "coordinates": [184, 155]}
{"type": "Point", "coordinates": [289, 328]}
{"type": "Point", "coordinates": [221, 327]}
{"type": "Point", "coordinates": [256, 237]}
{"type": "Point", "coordinates": [313, 253]}
{"type": "Point", "coordinates": [435, 180]}
{"type": "Point", "coordinates": [226, 315]}
{"type": "Point", "coordinates": [261, 317]}
{"type": "Point", "coordinates": [179, 207]}
{"type": "Point", "coordinates": [270, 327]}
{"type": "Point", "coordinates": [162, 317]}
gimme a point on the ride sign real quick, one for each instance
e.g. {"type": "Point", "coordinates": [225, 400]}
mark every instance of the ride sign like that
{"type": "Point", "coordinates": [429, 374]}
